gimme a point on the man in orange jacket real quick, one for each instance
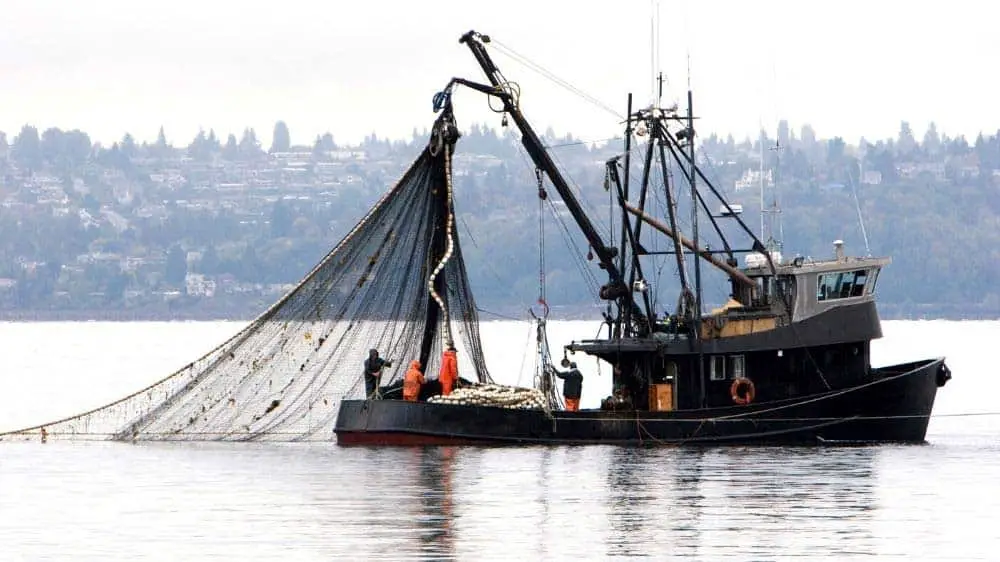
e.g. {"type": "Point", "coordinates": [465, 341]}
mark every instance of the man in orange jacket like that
{"type": "Point", "coordinates": [412, 381]}
{"type": "Point", "coordinates": [449, 370]}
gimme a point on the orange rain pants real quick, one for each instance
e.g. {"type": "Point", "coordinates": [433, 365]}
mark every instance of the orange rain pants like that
{"type": "Point", "coordinates": [412, 381]}
{"type": "Point", "coordinates": [449, 372]}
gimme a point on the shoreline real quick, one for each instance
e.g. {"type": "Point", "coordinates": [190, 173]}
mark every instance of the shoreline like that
{"type": "Point", "coordinates": [886, 312]}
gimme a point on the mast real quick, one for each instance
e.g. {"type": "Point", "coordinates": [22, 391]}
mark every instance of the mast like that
{"type": "Point", "coordinates": [636, 267]}
{"type": "Point", "coordinates": [694, 238]}
{"type": "Point", "coordinates": [624, 188]}
{"type": "Point", "coordinates": [672, 216]}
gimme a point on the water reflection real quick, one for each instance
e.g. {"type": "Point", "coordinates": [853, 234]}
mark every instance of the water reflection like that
{"type": "Point", "coordinates": [649, 502]}
{"type": "Point", "coordinates": [546, 496]}
{"type": "Point", "coordinates": [544, 503]}
{"type": "Point", "coordinates": [538, 503]}
{"type": "Point", "coordinates": [685, 499]}
{"type": "Point", "coordinates": [656, 501]}
{"type": "Point", "coordinates": [731, 501]}
{"type": "Point", "coordinates": [436, 472]}
{"type": "Point", "coordinates": [632, 489]}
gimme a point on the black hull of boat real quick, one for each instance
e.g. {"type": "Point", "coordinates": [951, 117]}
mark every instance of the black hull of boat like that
{"type": "Point", "coordinates": [894, 407]}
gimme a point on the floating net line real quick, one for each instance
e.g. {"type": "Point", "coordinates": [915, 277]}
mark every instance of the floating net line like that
{"type": "Point", "coordinates": [396, 283]}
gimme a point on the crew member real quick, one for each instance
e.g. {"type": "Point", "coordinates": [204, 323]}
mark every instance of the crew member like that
{"type": "Point", "coordinates": [373, 371]}
{"type": "Point", "coordinates": [572, 387]}
{"type": "Point", "coordinates": [412, 381]}
{"type": "Point", "coordinates": [449, 370]}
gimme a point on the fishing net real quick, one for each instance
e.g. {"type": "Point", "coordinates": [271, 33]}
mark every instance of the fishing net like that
{"type": "Point", "coordinates": [395, 283]}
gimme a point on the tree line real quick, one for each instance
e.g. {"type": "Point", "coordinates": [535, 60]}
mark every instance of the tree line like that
{"type": "Point", "coordinates": [933, 208]}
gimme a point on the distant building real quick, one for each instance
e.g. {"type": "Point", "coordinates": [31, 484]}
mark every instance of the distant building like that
{"type": "Point", "coordinates": [197, 285]}
{"type": "Point", "coordinates": [969, 172]}
{"type": "Point", "coordinates": [913, 170]}
{"type": "Point", "coordinates": [118, 222]}
{"type": "Point", "coordinates": [872, 177]}
{"type": "Point", "coordinates": [751, 179]}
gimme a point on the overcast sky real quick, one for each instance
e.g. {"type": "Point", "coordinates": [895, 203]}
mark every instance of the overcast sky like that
{"type": "Point", "coordinates": [849, 67]}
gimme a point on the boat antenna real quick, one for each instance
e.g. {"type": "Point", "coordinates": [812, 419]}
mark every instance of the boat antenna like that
{"type": "Point", "coordinates": [857, 206]}
{"type": "Point", "coordinates": [771, 214]}
{"type": "Point", "coordinates": [654, 52]}
{"type": "Point", "coordinates": [777, 148]}
{"type": "Point", "coordinates": [775, 207]}
{"type": "Point", "coordinates": [760, 177]}
{"type": "Point", "coordinates": [687, 39]}
{"type": "Point", "coordinates": [689, 67]}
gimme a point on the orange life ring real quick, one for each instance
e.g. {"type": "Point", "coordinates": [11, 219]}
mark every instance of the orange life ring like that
{"type": "Point", "coordinates": [748, 391]}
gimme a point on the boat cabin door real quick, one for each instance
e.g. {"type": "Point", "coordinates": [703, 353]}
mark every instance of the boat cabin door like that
{"type": "Point", "coordinates": [661, 394]}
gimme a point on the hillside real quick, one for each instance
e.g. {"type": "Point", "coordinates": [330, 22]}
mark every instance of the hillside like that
{"type": "Point", "coordinates": [220, 229]}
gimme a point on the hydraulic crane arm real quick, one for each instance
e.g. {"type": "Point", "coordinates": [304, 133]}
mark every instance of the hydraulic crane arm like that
{"type": "Point", "coordinates": [536, 151]}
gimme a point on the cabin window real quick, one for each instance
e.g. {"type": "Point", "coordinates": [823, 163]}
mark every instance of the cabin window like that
{"type": "Point", "coordinates": [841, 285]}
{"type": "Point", "coordinates": [860, 278]}
{"type": "Point", "coordinates": [762, 290]}
{"type": "Point", "coordinates": [671, 370]}
{"type": "Point", "coordinates": [737, 367]}
{"type": "Point", "coordinates": [717, 368]}
{"type": "Point", "coordinates": [872, 281]}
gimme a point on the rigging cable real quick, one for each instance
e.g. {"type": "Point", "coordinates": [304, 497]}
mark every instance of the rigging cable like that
{"type": "Point", "coordinates": [568, 239]}
{"type": "Point", "coordinates": [499, 315]}
{"type": "Point", "coordinates": [583, 200]}
{"type": "Point", "coordinates": [576, 253]}
{"type": "Point", "coordinates": [511, 53]}
{"type": "Point", "coordinates": [577, 143]}
{"type": "Point", "coordinates": [656, 239]}
{"type": "Point", "coordinates": [857, 205]}
{"type": "Point", "coordinates": [496, 276]}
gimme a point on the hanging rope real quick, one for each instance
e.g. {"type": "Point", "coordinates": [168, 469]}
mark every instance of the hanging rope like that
{"type": "Point", "coordinates": [543, 366]}
{"type": "Point", "coordinates": [542, 196]}
{"type": "Point", "coordinates": [568, 239]}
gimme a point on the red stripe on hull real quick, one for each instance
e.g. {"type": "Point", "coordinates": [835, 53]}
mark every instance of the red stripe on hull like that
{"type": "Point", "coordinates": [394, 438]}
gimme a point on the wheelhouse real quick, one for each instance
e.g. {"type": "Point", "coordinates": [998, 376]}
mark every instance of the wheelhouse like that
{"type": "Point", "coordinates": [807, 288]}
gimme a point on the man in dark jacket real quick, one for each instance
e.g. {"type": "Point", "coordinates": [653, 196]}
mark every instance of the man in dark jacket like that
{"type": "Point", "coordinates": [572, 387]}
{"type": "Point", "coordinates": [373, 372]}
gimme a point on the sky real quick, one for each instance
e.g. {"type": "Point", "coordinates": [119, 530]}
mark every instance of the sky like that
{"type": "Point", "coordinates": [849, 68]}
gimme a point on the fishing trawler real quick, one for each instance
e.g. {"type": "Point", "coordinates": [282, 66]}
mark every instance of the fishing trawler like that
{"type": "Point", "coordinates": [785, 360]}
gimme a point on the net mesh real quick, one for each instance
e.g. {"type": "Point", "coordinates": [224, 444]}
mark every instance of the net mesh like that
{"type": "Point", "coordinates": [396, 283]}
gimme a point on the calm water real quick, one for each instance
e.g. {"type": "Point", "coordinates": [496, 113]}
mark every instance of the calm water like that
{"type": "Point", "coordinates": [101, 501]}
